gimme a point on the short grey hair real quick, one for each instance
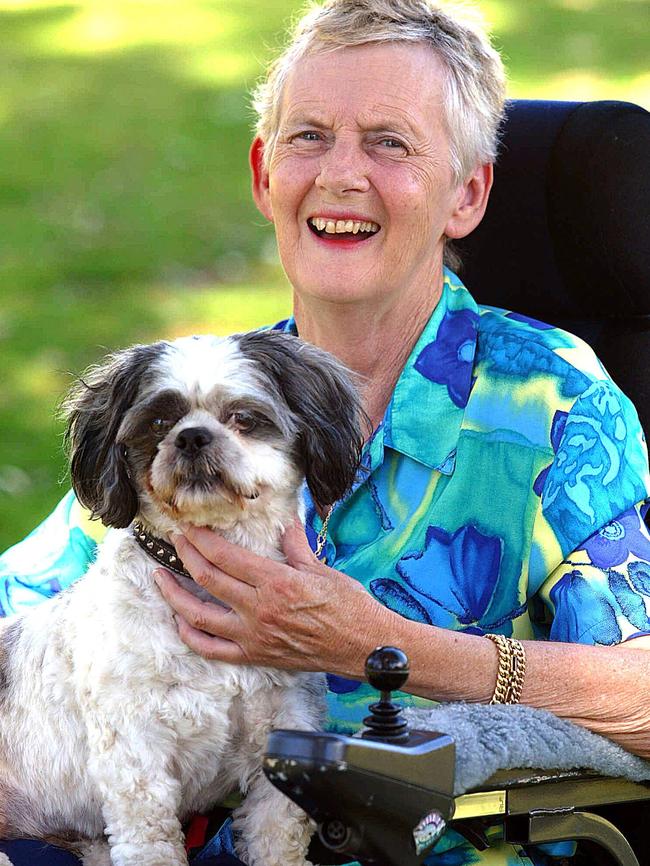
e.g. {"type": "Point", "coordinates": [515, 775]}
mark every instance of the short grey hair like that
{"type": "Point", "coordinates": [474, 90]}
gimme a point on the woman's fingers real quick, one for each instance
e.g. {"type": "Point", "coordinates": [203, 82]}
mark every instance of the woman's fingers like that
{"type": "Point", "coordinates": [296, 547]}
{"type": "Point", "coordinates": [203, 616]}
{"type": "Point", "coordinates": [210, 646]}
{"type": "Point", "coordinates": [215, 550]}
{"type": "Point", "coordinates": [219, 582]}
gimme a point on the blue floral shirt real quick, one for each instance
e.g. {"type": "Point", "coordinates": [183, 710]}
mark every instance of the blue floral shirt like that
{"type": "Point", "coordinates": [505, 492]}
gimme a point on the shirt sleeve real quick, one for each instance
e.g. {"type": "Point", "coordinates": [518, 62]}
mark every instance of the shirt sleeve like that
{"type": "Point", "coordinates": [50, 559]}
{"type": "Point", "coordinates": [591, 526]}
{"type": "Point", "coordinates": [600, 466]}
{"type": "Point", "coordinates": [600, 593]}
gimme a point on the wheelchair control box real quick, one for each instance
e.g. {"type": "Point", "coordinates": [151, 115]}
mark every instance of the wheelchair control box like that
{"type": "Point", "coordinates": [383, 798]}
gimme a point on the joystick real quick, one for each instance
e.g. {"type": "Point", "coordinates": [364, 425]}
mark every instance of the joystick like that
{"type": "Point", "coordinates": [387, 669]}
{"type": "Point", "coordinates": [383, 798]}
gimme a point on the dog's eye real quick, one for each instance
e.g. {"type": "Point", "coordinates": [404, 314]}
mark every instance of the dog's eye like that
{"type": "Point", "coordinates": [245, 422]}
{"type": "Point", "coordinates": [161, 425]}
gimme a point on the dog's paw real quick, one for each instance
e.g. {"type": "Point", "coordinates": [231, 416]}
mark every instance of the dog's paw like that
{"type": "Point", "coordinates": [273, 851]}
{"type": "Point", "coordinates": [96, 853]}
{"type": "Point", "coordinates": [148, 854]}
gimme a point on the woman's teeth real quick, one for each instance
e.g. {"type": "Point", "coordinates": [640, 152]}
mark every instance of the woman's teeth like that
{"type": "Point", "coordinates": [339, 227]}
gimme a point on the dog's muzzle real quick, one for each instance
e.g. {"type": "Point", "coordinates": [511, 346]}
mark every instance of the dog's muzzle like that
{"type": "Point", "coordinates": [192, 440]}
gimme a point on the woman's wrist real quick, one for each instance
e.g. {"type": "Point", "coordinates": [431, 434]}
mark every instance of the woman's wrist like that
{"type": "Point", "coordinates": [367, 626]}
{"type": "Point", "coordinates": [447, 665]}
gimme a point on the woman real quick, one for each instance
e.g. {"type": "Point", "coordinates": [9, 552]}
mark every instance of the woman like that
{"type": "Point", "coordinates": [504, 467]}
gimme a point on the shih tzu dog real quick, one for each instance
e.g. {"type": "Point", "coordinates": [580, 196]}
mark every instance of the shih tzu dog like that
{"type": "Point", "coordinates": [112, 731]}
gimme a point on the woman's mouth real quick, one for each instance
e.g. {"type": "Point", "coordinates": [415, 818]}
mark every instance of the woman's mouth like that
{"type": "Point", "coordinates": [339, 230]}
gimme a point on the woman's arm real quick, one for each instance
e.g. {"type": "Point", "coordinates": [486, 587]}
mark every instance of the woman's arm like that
{"type": "Point", "coordinates": [304, 615]}
{"type": "Point", "coordinates": [604, 689]}
{"type": "Point", "coordinates": [50, 558]}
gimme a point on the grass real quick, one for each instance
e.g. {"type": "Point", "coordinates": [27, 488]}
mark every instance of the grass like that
{"type": "Point", "coordinates": [125, 212]}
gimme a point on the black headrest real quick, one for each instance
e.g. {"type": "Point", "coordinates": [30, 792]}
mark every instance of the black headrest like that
{"type": "Point", "coordinates": [566, 236]}
{"type": "Point", "coordinates": [567, 232]}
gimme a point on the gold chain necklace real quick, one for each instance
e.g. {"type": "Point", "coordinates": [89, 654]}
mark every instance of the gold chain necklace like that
{"type": "Point", "coordinates": [321, 538]}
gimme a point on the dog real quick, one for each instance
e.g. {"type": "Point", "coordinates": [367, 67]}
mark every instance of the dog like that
{"type": "Point", "coordinates": [112, 731]}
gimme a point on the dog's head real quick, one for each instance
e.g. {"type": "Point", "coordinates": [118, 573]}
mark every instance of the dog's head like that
{"type": "Point", "coordinates": [205, 430]}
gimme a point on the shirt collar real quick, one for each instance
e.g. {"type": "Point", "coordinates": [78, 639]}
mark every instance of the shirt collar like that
{"type": "Point", "coordinates": [424, 416]}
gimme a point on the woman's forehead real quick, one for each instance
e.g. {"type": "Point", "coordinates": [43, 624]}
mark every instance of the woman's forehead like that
{"type": "Point", "coordinates": [379, 84]}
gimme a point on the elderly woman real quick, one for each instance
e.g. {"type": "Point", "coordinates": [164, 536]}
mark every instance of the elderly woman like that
{"type": "Point", "coordinates": [506, 472]}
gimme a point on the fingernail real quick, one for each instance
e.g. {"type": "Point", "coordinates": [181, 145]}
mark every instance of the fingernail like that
{"type": "Point", "coordinates": [175, 537]}
{"type": "Point", "coordinates": [158, 575]}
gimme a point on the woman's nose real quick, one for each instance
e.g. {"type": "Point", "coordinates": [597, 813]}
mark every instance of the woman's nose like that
{"type": "Point", "coordinates": [343, 168]}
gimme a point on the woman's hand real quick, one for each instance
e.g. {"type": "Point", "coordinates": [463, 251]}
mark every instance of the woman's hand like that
{"type": "Point", "coordinates": [299, 615]}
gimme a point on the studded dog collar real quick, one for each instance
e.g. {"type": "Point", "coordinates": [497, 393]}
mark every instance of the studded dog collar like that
{"type": "Point", "coordinates": [159, 550]}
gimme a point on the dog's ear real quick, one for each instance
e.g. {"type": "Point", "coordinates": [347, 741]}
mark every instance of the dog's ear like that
{"type": "Point", "coordinates": [323, 399]}
{"type": "Point", "coordinates": [94, 410]}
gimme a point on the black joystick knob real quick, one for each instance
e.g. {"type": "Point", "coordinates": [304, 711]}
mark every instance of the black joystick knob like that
{"type": "Point", "coordinates": [387, 669]}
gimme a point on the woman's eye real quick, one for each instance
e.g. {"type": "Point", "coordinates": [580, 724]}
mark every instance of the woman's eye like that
{"type": "Point", "coordinates": [392, 143]}
{"type": "Point", "coordinates": [308, 135]}
{"type": "Point", "coordinates": [244, 421]}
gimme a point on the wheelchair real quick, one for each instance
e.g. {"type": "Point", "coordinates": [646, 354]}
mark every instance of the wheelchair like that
{"type": "Point", "coordinates": [569, 216]}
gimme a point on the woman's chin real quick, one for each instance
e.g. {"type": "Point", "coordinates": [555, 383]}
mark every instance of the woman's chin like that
{"type": "Point", "coordinates": [340, 283]}
{"type": "Point", "coordinates": [345, 293]}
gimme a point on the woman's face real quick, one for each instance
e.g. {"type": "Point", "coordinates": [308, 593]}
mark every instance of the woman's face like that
{"type": "Point", "coordinates": [359, 185]}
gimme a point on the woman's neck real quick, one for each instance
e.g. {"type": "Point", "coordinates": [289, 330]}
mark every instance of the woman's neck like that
{"type": "Point", "coordinates": [373, 341]}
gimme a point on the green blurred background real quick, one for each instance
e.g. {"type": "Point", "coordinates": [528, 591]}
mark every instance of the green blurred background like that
{"type": "Point", "coordinates": [125, 212]}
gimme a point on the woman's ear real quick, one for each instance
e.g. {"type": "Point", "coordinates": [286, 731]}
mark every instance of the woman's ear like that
{"type": "Point", "coordinates": [473, 197]}
{"type": "Point", "coordinates": [260, 179]}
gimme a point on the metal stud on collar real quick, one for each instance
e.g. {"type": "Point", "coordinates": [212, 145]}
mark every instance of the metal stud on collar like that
{"type": "Point", "coordinates": [163, 553]}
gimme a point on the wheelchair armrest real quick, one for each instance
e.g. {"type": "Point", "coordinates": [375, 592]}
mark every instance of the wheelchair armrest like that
{"type": "Point", "coordinates": [537, 806]}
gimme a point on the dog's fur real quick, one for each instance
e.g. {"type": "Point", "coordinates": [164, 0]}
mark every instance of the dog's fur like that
{"type": "Point", "coordinates": [112, 731]}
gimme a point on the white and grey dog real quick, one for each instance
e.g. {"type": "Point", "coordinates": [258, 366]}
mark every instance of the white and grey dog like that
{"type": "Point", "coordinates": [112, 731]}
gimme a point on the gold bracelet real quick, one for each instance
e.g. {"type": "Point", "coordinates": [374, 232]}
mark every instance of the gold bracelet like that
{"type": "Point", "coordinates": [511, 670]}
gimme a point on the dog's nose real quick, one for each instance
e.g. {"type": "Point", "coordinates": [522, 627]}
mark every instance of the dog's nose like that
{"type": "Point", "coordinates": [192, 439]}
